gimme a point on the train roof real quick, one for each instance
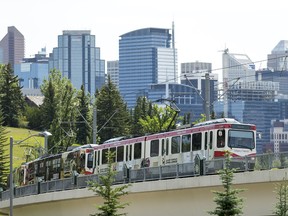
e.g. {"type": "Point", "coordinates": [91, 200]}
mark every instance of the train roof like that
{"type": "Point", "coordinates": [218, 121]}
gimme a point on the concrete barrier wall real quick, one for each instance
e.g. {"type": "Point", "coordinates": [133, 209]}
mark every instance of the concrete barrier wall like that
{"type": "Point", "coordinates": [175, 197]}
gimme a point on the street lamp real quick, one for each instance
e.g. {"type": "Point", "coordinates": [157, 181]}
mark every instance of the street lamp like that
{"type": "Point", "coordinates": [11, 188]}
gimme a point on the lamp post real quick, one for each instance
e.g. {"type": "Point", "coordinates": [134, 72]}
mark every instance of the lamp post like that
{"type": "Point", "coordinates": [11, 185]}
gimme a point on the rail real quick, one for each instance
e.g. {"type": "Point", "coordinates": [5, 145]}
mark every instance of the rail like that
{"type": "Point", "coordinates": [197, 168]}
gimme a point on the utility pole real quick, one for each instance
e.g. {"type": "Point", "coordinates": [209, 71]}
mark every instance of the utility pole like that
{"type": "Point", "coordinates": [207, 96]}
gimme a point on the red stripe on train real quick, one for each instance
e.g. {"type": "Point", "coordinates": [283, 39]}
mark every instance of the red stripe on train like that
{"type": "Point", "coordinates": [222, 154]}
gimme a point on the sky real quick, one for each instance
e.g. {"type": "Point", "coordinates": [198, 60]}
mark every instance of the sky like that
{"type": "Point", "coordinates": [203, 28]}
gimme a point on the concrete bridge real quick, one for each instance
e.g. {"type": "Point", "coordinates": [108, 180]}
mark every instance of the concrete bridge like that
{"type": "Point", "coordinates": [173, 197]}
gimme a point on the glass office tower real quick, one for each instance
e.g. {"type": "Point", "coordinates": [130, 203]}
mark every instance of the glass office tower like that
{"type": "Point", "coordinates": [79, 60]}
{"type": "Point", "coordinates": [146, 56]}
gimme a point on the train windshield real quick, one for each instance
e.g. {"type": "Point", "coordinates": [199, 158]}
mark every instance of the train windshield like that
{"type": "Point", "coordinates": [241, 139]}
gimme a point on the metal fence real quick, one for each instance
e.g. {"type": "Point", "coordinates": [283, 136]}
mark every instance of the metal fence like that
{"type": "Point", "coordinates": [199, 167]}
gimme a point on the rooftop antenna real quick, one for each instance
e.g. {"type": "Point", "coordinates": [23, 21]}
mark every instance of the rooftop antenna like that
{"type": "Point", "coordinates": [174, 55]}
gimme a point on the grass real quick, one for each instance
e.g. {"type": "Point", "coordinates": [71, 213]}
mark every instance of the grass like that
{"type": "Point", "coordinates": [20, 151]}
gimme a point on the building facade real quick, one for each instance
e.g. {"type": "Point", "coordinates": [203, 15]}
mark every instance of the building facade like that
{"type": "Point", "coordinates": [78, 59]}
{"type": "Point", "coordinates": [113, 71]}
{"type": "Point", "coordinates": [12, 47]}
{"type": "Point", "coordinates": [277, 60]}
{"type": "Point", "coordinates": [32, 71]}
{"type": "Point", "coordinates": [146, 56]}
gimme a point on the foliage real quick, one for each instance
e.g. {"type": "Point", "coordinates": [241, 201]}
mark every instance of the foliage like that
{"type": "Point", "coordinates": [159, 120]}
{"type": "Point", "coordinates": [281, 207]}
{"type": "Point", "coordinates": [110, 194]}
{"type": "Point", "coordinates": [33, 115]}
{"type": "Point", "coordinates": [11, 98]}
{"type": "Point", "coordinates": [4, 155]}
{"type": "Point", "coordinates": [142, 109]}
{"type": "Point", "coordinates": [202, 119]}
{"type": "Point", "coordinates": [186, 118]}
{"type": "Point", "coordinates": [227, 201]}
{"type": "Point", "coordinates": [113, 117]}
{"type": "Point", "coordinates": [84, 118]}
{"type": "Point", "coordinates": [59, 113]}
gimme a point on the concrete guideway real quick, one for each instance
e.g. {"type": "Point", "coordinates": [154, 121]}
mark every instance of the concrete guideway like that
{"type": "Point", "coordinates": [188, 196]}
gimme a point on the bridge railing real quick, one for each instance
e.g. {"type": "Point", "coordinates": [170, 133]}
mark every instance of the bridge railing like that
{"type": "Point", "coordinates": [199, 167]}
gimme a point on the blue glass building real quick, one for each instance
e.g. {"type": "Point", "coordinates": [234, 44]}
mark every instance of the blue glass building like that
{"type": "Point", "coordinates": [146, 56]}
{"type": "Point", "coordinates": [78, 59]}
{"type": "Point", "coordinates": [32, 71]}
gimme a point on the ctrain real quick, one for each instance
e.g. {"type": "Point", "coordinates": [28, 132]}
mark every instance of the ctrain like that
{"type": "Point", "coordinates": [207, 140]}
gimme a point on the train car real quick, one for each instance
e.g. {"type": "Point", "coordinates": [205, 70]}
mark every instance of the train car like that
{"type": "Point", "coordinates": [207, 140]}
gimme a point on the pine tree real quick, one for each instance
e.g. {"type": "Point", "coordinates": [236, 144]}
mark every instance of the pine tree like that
{"type": "Point", "coordinates": [84, 118]}
{"type": "Point", "coordinates": [141, 111]}
{"type": "Point", "coordinates": [113, 118]}
{"type": "Point", "coordinates": [281, 207]}
{"type": "Point", "coordinates": [228, 202]}
{"type": "Point", "coordinates": [110, 194]}
{"type": "Point", "coordinates": [11, 98]}
{"type": "Point", "coordinates": [4, 156]}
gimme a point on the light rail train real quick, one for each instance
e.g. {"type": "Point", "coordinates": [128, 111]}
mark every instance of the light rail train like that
{"type": "Point", "coordinates": [203, 141]}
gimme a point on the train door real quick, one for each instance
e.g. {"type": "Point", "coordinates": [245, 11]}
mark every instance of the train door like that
{"type": "Point", "coordinates": [164, 150]}
{"type": "Point", "coordinates": [120, 158]}
{"type": "Point", "coordinates": [96, 162]}
{"type": "Point", "coordinates": [208, 143]}
{"type": "Point", "coordinates": [128, 157]}
{"type": "Point", "coordinates": [137, 154]}
{"type": "Point", "coordinates": [89, 161]}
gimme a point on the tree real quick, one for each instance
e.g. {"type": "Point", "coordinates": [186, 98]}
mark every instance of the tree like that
{"type": "Point", "coordinates": [11, 98]}
{"type": "Point", "coordinates": [58, 110]}
{"type": "Point", "coordinates": [110, 194]}
{"type": "Point", "coordinates": [228, 202]}
{"type": "Point", "coordinates": [141, 110]}
{"type": "Point", "coordinates": [281, 207]}
{"type": "Point", "coordinates": [159, 120]}
{"type": "Point", "coordinates": [113, 118]}
{"type": "Point", "coordinates": [4, 156]}
{"type": "Point", "coordinates": [84, 118]}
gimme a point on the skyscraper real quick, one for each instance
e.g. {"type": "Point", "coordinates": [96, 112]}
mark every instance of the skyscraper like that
{"type": "Point", "coordinates": [113, 71]}
{"type": "Point", "coordinates": [12, 47]}
{"type": "Point", "coordinates": [146, 56]}
{"type": "Point", "coordinates": [277, 60]}
{"type": "Point", "coordinates": [78, 59]}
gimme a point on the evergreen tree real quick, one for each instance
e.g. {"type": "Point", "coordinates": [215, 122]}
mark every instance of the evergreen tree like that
{"type": "Point", "coordinates": [110, 194]}
{"type": "Point", "coordinates": [59, 113]}
{"type": "Point", "coordinates": [11, 98]}
{"type": "Point", "coordinates": [281, 207]}
{"type": "Point", "coordinates": [84, 118]}
{"type": "Point", "coordinates": [141, 111]}
{"type": "Point", "coordinates": [112, 114]}
{"type": "Point", "coordinates": [228, 202]}
{"type": "Point", "coordinates": [4, 156]}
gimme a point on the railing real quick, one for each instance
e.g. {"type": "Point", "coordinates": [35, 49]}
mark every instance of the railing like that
{"type": "Point", "coordinates": [199, 167]}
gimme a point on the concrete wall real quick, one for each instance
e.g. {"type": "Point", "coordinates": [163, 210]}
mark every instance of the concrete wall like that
{"type": "Point", "coordinates": [186, 196]}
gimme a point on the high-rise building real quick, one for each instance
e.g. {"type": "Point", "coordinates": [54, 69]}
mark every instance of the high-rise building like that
{"type": "Point", "coordinates": [113, 71]}
{"type": "Point", "coordinates": [146, 56]}
{"type": "Point", "coordinates": [277, 60]}
{"type": "Point", "coordinates": [12, 47]}
{"type": "Point", "coordinates": [195, 67]}
{"type": "Point", "coordinates": [32, 71]}
{"type": "Point", "coordinates": [78, 59]}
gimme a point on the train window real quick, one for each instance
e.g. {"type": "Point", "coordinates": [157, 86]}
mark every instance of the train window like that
{"type": "Point", "coordinates": [137, 150]}
{"type": "Point", "coordinates": [90, 160]}
{"type": "Point", "coordinates": [128, 152]}
{"type": "Point", "coordinates": [120, 153]}
{"type": "Point", "coordinates": [113, 151]}
{"type": "Point", "coordinates": [206, 140]}
{"type": "Point", "coordinates": [196, 141]}
{"type": "Point", "coordinates": [220, 138]}
{"type": "Point", "coordinates": [167, 146]}
{"type": "Point", "coordinates": [175, 145]}
{"type": "Point", "coordinates": [163, 149]}
{"type": "Point", "coordinates": [186, 143]}
{"type": "Point", "coordinates": [211, 140]}
{"type": "Point", "coordinates": [104, 156]}
{"type": "Point", "coordinates": [154, 148]}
